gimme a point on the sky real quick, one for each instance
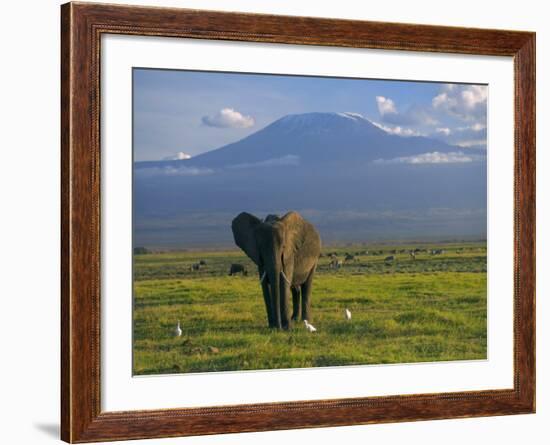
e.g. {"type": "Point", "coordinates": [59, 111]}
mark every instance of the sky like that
{"type": "Point", "coordinates": [180, 114]}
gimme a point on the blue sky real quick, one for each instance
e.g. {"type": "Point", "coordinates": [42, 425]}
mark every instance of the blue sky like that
{"type": "Point", "coordinates": [185, 113]}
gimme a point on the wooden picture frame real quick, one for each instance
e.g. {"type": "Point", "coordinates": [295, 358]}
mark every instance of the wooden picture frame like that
{"type": "Point", "coordinates": [82, 25]}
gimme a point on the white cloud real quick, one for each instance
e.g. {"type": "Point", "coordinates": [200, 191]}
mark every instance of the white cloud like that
{"type": "Point", "coordinates": [472, 129]}
{"type": "Point", "coordinates": [274, 162]}
{"type": "Point", "coordinates": [464, 101]}
{"type": "Point", "coordinates": [426, 119]}
{"type": "Point", "coordinates": [449, 87]}
{"type": "Point", "coordinates": [173, 171]}
{"type": "Point", "coordinates": [179, 156]}
{"type": "Point", "coordinates": [228, 118]}
{"type": "Point", "coordinates": [474, 135]}
{"type": "Point", "coordinates": [414, 115]}
{"type": "Point", "coordinates": [439, 100]}
{"type": "Point", "coordinates": [434, 157]}
{"type": "Point", "coordinates": [385, 105]}
{"type": "Point", "coordinates": [468, 143]}
{"type": "Point", "coordinates": [397, 130]}
{"type": "Point", "coordinates": [478, 127]}
{"type": "Point", "coordinates": [474, 95]}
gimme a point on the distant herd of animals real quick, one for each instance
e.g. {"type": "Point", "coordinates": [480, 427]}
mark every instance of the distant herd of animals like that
{"type": "Point", "coordinates": [335, 261]}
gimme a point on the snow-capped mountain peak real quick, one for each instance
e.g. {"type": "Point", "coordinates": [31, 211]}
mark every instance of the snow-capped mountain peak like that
{"type": "Point", "coordinates": [318, 137]}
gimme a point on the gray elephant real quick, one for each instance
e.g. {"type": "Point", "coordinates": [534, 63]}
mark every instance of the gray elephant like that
{"type": "Point", "coordinates": [286, 251]}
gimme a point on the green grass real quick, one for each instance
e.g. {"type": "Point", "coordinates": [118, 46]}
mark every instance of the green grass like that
{"type": "Point", "coordinates": [429, 309]}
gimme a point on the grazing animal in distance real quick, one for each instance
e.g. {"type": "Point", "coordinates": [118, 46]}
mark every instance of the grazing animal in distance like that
{"type": "Point", "coordinates": [335, 264]}
{"type": "Point", "coordinates": [412, 254]}
{"type": "Point", "coordinates": [350, 257]}
{"type": "Point", "coordinates": [389, 259]}
{"type": "Point", "coordinates": [177, 330]}
{"type": "Point", "coordinates": [347, 314]}
{"type": "Point", "coordinates": [236, 269]}
{"type": "Point", "coordinates": [202, 262]}
{"type": "Point", "coordinates": [195, 266]}
{"type": "Point", "coordinates": [309, 327]}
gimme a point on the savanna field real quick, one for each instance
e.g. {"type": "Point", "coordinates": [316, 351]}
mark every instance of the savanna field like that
{"type": "Point", "coordinates": [429, 308]}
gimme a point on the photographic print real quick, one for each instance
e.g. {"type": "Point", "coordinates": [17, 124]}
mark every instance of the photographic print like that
{"type": "Point", "coordinates": [285, 221]}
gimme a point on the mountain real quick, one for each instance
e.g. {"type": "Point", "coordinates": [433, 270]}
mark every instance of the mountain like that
{"type": "Point", "coordinates": [313, 138]}
{"type": "Point", "coordinates": [353, 180]}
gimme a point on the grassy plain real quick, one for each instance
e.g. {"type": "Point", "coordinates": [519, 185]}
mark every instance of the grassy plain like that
{"type": "Point", "coordinates": [432, 308]}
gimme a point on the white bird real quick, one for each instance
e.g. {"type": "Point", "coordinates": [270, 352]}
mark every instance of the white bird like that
{"type": "Point", "coordinates": [347, 314]}
{"type": "Point", "coordinates": [177, 331]}
{"type": "Point", "coordinates": [309, 327]}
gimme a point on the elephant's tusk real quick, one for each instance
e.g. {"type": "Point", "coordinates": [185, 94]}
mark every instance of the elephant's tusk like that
{"type": "Point", "coordinates": [262, 277]}
{"type": "Point", "coordinates": [285, 278]}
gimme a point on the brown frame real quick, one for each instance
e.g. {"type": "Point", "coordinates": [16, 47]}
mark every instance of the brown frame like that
{"type": "Point", "coordinates": [82, 25]}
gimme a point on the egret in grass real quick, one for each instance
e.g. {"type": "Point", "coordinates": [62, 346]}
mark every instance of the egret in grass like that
{"type": "Point", "coordinates": [347, 314]}
{"type": "Point", "coordinates": [309, 327]}
{"type": "Point", "coordinates": [177, 331]}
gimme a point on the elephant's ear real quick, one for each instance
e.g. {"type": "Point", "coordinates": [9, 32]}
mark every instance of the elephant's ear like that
{"type": "Point", "coordinates": [243, 232]}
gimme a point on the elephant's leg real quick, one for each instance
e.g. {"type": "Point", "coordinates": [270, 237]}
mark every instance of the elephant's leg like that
{"type": "Point", "coordinates": [270, 318]}
{"type": "Point", "coordinates": [295, 303]}
{"type": "Point", "coordinates": [306, 297]}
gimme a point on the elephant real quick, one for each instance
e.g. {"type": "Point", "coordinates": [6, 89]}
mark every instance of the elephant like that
{"type": "Point", "coordinates": [237, 268]}
{"type": "Point", "coordinates": [286, 250]}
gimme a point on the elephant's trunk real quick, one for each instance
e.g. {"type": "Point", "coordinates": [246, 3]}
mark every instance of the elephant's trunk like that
{"type": "Point", "coordinates": [274, 281]}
